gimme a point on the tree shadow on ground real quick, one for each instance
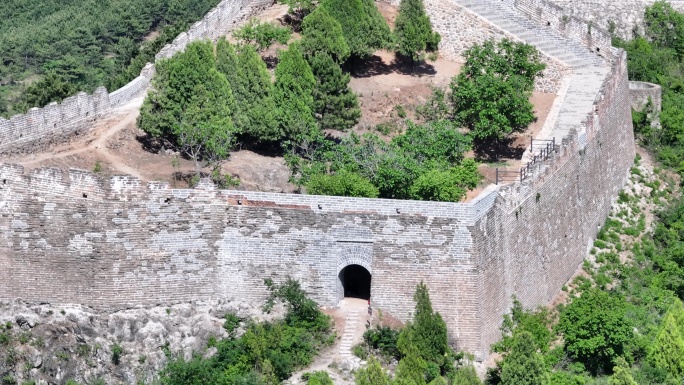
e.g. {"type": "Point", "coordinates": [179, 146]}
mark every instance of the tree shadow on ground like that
{"type": "Point", "coordinates": [493, 151]}
{"type": "Point", "coordinates": [406, 66]}
{"type": "Point", "coordinates": [153, 145]}
{"type": "Point", "coordinates": [374, 66]}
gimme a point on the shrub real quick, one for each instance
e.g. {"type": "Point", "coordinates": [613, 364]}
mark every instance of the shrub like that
{"type": "Point", "coordinates": [383, 339]}
{"type": "Point", "coordinates": [117, 351]}
{"type": "Point", "coordinates": [595, 329]}
{"type": "Point", "coordinates": [372, 374]}
{"type": "Point", "coordinates": [262, 35]}
{"type": "Point", "coordinates": [343, 183]}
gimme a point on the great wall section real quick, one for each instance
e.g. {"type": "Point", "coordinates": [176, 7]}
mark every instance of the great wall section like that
{"type": "Point", "coordinates": [73, 237]}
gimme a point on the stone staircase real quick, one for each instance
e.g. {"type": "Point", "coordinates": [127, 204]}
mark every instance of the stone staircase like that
{"type": "Point", "coordinates": [579, 91]}
{"type": "Point", "coordinates": [547, 41]}
{"type": "Point", "coordinates": [351, 324]}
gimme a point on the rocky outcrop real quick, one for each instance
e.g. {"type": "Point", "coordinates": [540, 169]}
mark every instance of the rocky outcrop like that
{"type": "Point", "coordinates": [53, 344]}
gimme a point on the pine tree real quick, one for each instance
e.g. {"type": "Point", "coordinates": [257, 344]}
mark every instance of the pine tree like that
{"type": "Point", "coordinates": [621, 374]}
{"type": "Point", "coordinates": [321, 33]}
{"type": "Point", "coordinates": [372, 374]}
{"type": "Point", "coordinates": [427, 332]}
{"type": "Point", "coordinates": [667, 350]}
{"type": "Point", "coordinates": [335, 104]}
{"type": "Point", "coordinates": [227, 64]}
{"type": "Point", "coordinates": [173, 88]}
{"type": "Point", "coordinates": [523, 365]}
{"type": "Point", "coordinates": [293, 93]}
{"type": "Point", "coordinates": [256, 97]}
{"type": "Point", "coordinates": [206, 131]}
{"type": "Point", "coordinates": [364, 28]}
{"type": "Point", "coordinates": [413, 30]}
{"type": "Point", "coordinates": [411, 369]}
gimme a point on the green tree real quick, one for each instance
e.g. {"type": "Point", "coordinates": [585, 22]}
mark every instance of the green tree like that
{"type": "Point", "coordinates": [523, 365]}
{"type": "Point", "coordinates": [364, 28]}
{"type": "Point", "coordinates": [321, 33]}
{"type": "Point", "coordinates": [664, 26]}
{"type": "Point", "coordinates": [621, 374]}
{"type": "Point", "coordinates": [262, 35]}
{"type": "Point", "coordinates": [372, 374]}
{"type": "Point", "coordinates": [294, 87]}
{"type": "Point", "coordinates": [256, 98]}
{"type": "Point", "coordinates": [413, 31]}
{"type": "Point", "coordinates": [49, 89]}
{"type": "Point", "coordinates": [491, 95]}
{"type": "Point", "coordinates": [174, 85]}
{"type": "Point", "coordinates": [667, 350]}
{"type": "Point", "coordinates": [206, 131]}
{"type": "Point", "coordinates": [227, 63]}
{"type": "Point", "coordinates": [427, 333]}
{"type": "Point", "coordinates": [343, 183]}
{"type": "Point", "coordinates": [465, 375]}
{"type": "Point", "coordinates": [412, 367]}
{"type": "Point", "coordinates": [336, 106]}
{"type": "Point", "coordinates": [595, 328]}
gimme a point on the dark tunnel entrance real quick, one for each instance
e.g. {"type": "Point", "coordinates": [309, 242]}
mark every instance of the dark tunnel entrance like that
{"type": "Point", "coordinates": [356, 281]}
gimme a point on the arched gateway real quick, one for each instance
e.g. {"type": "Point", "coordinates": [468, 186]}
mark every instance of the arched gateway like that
{"type": "Point", "coordinates": [356, 282]}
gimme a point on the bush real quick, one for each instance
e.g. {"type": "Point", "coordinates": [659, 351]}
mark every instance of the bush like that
{"type": "Point", "coordinates": [117, 352]}
{"type": "Point", "coordinates": [595, 329]}
{"type": "Point", "coordinates": [383, 339]}
{"type": "Point", "coordinates": [343, 183]}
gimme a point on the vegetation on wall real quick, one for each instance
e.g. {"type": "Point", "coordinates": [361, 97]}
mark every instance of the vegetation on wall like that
{"type": "Point", "coordinates": [52, 49]}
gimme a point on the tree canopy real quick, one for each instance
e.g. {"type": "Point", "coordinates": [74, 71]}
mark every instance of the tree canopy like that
{"type": "Point", "coordinates": [491, 94]}
{"type": "Point", "coordinates": [321, 33]}
{"type": "Point", "coordinates": [413, 30]}
{"type": "Point", "coordinates": [364, 28]}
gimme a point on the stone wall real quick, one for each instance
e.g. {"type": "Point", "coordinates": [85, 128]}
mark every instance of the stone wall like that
{"type": "Point", "coordinates": [42, 127]}
{"type": "Point", "coordinates": [549, 15]}
{"type": "Point", "coordinates": [72, 237]}
{"type": "Point", "coordinates": [546, 225]}
{"type": "Point", "coordinates": [114, 243]}
{"type": "Point", "coordinates": [641, 92]}
{"type": "Point", "coordinates": [625, 16]}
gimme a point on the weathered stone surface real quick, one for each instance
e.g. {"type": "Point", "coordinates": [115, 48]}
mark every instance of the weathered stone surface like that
{"type": "Point", "coordinates": [75, 342]}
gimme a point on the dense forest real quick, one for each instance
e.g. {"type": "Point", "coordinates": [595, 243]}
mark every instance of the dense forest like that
{"type": "Point", "coordinates": [51, 49]}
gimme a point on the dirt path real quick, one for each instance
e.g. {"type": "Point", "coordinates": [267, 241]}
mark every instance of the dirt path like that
{"type": "Point", "coordinates": [338, 360]}
{"type": "Point", "coordinates": [95, 140]}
